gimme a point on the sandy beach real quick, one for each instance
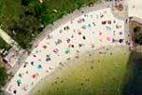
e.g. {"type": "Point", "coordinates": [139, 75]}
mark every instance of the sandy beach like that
{"type": "Point", "coordinates": [90, 31]}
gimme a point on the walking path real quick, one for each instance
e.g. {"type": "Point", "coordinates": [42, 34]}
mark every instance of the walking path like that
{"type": "Point", "coordinates": [8, 39]}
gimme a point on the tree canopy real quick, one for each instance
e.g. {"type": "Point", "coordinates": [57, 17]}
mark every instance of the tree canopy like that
{"type": "Point", "coordinates": [137, 35]}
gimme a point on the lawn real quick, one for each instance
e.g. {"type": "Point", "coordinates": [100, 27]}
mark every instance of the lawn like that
{"type": "Point", "coordinates": [10, 11]}
{"type": "Point", "coordinates": [95, 74]}
{"type": "Point", "coordinates": [25, 19]}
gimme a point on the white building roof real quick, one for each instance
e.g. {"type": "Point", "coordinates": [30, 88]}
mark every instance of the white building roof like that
{"type": "Point", "coordinates": [135, 8]}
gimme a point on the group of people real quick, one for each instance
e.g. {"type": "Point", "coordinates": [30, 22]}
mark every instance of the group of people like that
{"type": "Point", "coordinates": [90, 31]}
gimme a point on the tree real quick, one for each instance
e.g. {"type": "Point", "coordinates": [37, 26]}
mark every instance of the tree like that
{"type": "Point", "coordinates": [26, 29]}
{"type": "Point", "coordinates": [137, 29]}
{"type": "Point", "coordinates": [137, 35]}
{"type": "Point", "coordinates": [25, 2]}
{"type": "Point", "coordinates": [3, 78]}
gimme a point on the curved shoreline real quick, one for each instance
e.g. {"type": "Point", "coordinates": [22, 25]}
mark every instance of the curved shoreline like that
{"type": "Point", "coordinates": [105, 51]}
{"type": "Point", "coordinates": [98, 44]}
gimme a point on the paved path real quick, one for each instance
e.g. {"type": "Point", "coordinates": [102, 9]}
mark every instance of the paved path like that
{"type": "Point", "coordinates": [8, 39]}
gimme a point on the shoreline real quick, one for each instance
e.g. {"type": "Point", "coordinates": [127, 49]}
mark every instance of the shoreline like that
{"type": "Point", "coordinates": [72, 63]}
{"type": "Point", "coordinates": [98, 44]}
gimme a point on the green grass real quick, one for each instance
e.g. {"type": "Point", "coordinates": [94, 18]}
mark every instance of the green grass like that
{"type": "Point", "coordinates": [98, 74]}
{"type": "Point", "coordinates": [10, 11]}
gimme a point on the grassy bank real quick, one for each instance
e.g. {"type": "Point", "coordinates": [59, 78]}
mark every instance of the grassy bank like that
{"type": "Point", "coordinates": [91, 74]}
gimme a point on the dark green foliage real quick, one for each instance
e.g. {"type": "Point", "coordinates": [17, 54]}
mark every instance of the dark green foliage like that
{"type": "Point", "coordinates": [133, 86]}
{"type": "Point", "coordinates": [137, 35]}
{"type": "Point", "coordinates": [25, 2]}
{"type": "Point", "coordinates": [3, 79]}
{"type": "Point", "coordinates": [3, 76]}
{"type": "Point", "coordinates": [30, 30]}
{"type": "Point", "coordinates": [3, 44]}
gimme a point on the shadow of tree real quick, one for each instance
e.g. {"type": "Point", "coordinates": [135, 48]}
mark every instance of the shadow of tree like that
{"type": "Point", "coordinates": [133, 85]}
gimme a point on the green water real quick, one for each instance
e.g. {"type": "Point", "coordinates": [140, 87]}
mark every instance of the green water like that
{"type": "Point", "coordinates": [92, 74]}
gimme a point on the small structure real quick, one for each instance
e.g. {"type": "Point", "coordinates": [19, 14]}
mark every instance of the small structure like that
{"type": "Point", "coordinates": [13, 57]}
{"type": "Point", "coordinates": [135, 8]}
